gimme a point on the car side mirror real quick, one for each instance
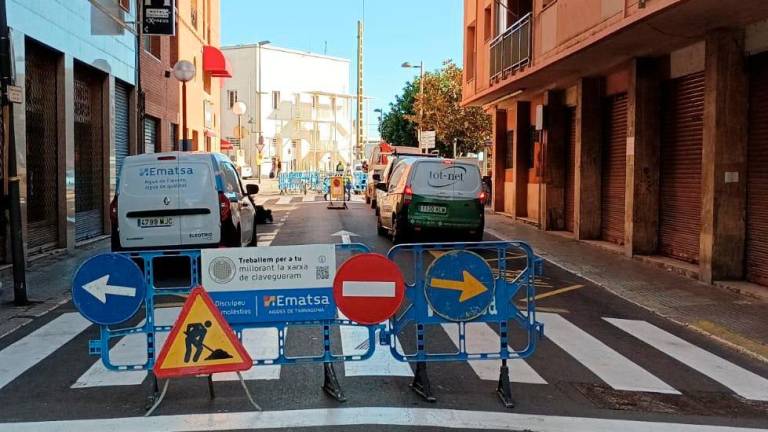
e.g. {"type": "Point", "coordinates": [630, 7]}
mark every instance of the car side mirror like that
{"type": "Point", "coordinates": [377, 177]}
{"type": "Point", "coordinates": [252, 189]}
{"type": "Point", "coordinates": [381, 186]}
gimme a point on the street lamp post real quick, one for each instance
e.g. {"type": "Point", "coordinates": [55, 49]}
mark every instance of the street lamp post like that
{"type": "Point", "coordinates": [260, 145]}
{"type": "Point", "coordinates": [184, 71]}
{"type": "Point", "coordinates": [378, 110]}
{"type": "Point", "coordinates": [421, 94]}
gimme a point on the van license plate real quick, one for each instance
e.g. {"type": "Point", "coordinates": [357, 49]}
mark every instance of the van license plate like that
{"type": "Point", "coordinates": [155, 222]}
{"type": "Point", "coordinates": [433, 209]}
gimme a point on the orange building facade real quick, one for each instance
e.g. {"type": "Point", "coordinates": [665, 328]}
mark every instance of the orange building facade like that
{"type": "Point", "coordinates": [639, 125]}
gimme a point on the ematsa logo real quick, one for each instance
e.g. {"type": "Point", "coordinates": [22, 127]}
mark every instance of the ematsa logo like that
{"type": "Point", "coordinates": [306, 300]}
{"type": "Point", "coordinates": [446, 176]}
{"type": "Point", "coordinates": [154, 171]}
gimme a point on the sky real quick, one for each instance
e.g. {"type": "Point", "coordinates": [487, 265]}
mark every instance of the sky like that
{"type": "Point", "coordinates": [395, 31]}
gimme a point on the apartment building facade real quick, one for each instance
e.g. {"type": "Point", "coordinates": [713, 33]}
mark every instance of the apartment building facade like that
{"type": "Point", "coordinates": [298, 107]}
{"type": "Point", "coordinates": [641, 125]}
{"type": "Point", "coordinates": [76, 120]}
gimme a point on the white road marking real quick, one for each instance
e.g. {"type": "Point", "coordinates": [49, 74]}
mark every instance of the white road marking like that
{"type": "Point", "coordinates": [21, 355]}
{"type": "Point", "coordinates": [389, 416]}
{"type": "Point", "coordinates": [131, 349]}
{"type": "Point", "coordinates": [741, 381]}
{"type": "Point", "coordinates": [367, 289]}
{"type": "Point", "coordinates": [380, 364]}
{"type": "Point", "coordinates": [610, 366]}
{"type": "Point", "coordinates": [261, 200]}
{"type": "Point", "coordinates": [261, 343]}
{"type": "Point", "coordinates": [480, 338]}
{"type": "Point", "coordinates": [284, 200]}
{"type": "Point", "coordinates": [308, 198]}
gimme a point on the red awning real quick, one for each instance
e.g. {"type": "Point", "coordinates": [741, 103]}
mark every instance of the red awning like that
{"type": "Point", "coordinates": [226, 145]}
{"type": "Point", "coordinates": [215, 63]}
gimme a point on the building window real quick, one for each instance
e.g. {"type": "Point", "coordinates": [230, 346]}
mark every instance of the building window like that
{"type": "Point", "coordinates": [487, 24]}
{"type": "Point", "coordinates": [275, 99]}
{"type": "Point", "coordinates": [315, 101]}
{"type": "Point", "coordinates": [232, 96]}
{"type": "Point", "coordinates": [510, 150]}
{"type": "Point", "coordinates": [152, 45]}
{"type": "Point", "coordinates": [471, 51]}
{"type": "Point", "coordinates": [125, 4]}
{"type": "Point", "coordinates": [207, 82]}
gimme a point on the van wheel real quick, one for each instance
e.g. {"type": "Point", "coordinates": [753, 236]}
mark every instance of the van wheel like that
{"type": "Point", "coordinates": [115, 240]}
{"type": "Point", "coordinates": [380, 230]}
{"type": "Point", "coordinates": [399, 230]}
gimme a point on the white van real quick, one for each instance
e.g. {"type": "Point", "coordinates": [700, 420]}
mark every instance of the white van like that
{"type": "Point", "coordinates": [181, 200]}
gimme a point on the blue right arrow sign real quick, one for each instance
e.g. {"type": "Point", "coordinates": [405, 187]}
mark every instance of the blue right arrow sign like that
{"type": "Point", "coordinates": [459, 286]}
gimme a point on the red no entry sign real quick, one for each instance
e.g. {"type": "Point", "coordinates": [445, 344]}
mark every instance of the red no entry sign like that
{"type": "Point", "coordinates": [368, 288]}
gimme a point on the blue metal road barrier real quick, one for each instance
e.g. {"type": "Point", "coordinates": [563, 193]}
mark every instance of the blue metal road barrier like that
{"type": "Point", "coordinates": [458, 286]}
{"type": "Point", "coordinates": [299, 181]}
{"type": "Point", "coordinates": [148, 260]}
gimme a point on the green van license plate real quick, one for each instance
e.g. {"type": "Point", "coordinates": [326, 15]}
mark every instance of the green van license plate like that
{"type": "Point", "coordinates": [433, 209]}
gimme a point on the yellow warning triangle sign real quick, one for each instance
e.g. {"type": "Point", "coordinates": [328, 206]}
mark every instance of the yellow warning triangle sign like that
{"type": "Point", "coordinates": [201, 342]}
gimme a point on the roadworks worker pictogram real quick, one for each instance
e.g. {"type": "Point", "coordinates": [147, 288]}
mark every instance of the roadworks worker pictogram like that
{"type": "Point", "coordinates": [201, 329]}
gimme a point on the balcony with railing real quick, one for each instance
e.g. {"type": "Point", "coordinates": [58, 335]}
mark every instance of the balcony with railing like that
{"type": "Point", "coordinates": [511, 50]}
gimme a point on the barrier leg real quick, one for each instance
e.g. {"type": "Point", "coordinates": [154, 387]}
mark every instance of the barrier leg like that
{"type": "Point", "coordinates": [211, 392]}
{"type": "Point", "coordinates": [158, 400]}
{"type": "Point", "coordinates": [503, 389]}
{"type": "Point", "coordinates": [331, 383]}
{"type": "Point", "coordinates": [154, 392]}
{"type": "Point", "coordinates": [420, 383]}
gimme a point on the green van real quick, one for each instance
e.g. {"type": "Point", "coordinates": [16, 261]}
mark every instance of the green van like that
{"type": "Point", "coordinates": [427, 195]}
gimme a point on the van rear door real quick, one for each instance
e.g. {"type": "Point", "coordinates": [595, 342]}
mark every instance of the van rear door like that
{"type": "Point", "coordinates": [149, 202]}
{"type": "Point", "coordinates": [200, 223]}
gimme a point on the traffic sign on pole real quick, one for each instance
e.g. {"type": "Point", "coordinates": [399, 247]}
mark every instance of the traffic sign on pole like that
{"type": "Point", "coordinates": [459, 285]}
{"type": "Point", "coordinates": [368, 288]}
{"type": "Point", "coordinates": [108, 289]}
{"type": "Point", "coordinates": [201, 342]}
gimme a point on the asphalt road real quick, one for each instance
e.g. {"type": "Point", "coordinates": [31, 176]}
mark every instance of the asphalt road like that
{"type": "Point", "coordinates": [590, 366]}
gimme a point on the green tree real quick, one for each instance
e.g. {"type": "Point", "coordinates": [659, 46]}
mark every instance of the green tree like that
{"type": "Point", "coordinates": [470, 127]}
{"type": "Point", "coordinates": [395, 127]}
{"type": "Point", "coordinates": [443, 113]}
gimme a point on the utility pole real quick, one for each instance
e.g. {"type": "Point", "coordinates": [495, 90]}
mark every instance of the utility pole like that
{"type": "Point", "coordinates": [10, 177]}
{"type": "Point", "coordinates": [359, 130]}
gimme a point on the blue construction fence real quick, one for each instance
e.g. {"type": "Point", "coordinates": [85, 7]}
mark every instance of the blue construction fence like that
{"type": "Point", "coordinates": [301, 182]}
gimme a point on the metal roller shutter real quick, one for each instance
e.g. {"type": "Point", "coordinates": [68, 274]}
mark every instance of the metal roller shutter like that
{"type": "Point", "coordinates": [89, 154]}
{"type": "Point", "coordinates": [757, 174]}
{"type": "Point", "coordinates": [122, 116]}
{"type": "Point", "coordinates": [683, 130]}
{"type": "Point", "coordinates": [42, 148]}
{"type": "Point", "coordinates": [570, 172]}
{"type": "Point", "coordinates": [150, 134]}
{"type": "Point", "coordinates": [614, 169]}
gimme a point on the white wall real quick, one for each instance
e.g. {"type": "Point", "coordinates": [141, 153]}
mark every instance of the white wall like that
{"type": "Point", "coordinates": [78, 28]}
{"type": "Point", "coordinates": [297, 76]}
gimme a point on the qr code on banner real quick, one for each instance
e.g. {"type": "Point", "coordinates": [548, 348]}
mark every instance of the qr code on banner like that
{"type": "Point", "coordinates": [322, 272]}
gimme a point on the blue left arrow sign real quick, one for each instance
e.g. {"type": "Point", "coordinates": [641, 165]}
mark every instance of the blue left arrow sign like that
{"type": "Point", "coordinates": [108, 289]}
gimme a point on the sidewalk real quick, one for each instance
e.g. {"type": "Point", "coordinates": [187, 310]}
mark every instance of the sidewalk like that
{"type": "Point", "coordinates": [48, 284]}
{"type": "Point", "coordinates": [732, 319]}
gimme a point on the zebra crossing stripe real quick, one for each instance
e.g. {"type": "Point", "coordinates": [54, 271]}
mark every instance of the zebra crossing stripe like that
{"type": "Point", "coordinates": [610, 366]}
{"type": "Point", "coordinates": [284, 200]}
{"type": "Point", "coordinates": [33, 348]}
{"type": "Point", "coordinates": [480, 338]}
{"type": "Point", "coordinates": [131, 349]}
{"type": "Point", "coordinates": [741, 381]}
{"type": "Point", "coordinates": [380, 364]}
{"type": "Point", "coordinates": [261, 343]}
{"type": "Point", "coordinates": [308, 198]}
